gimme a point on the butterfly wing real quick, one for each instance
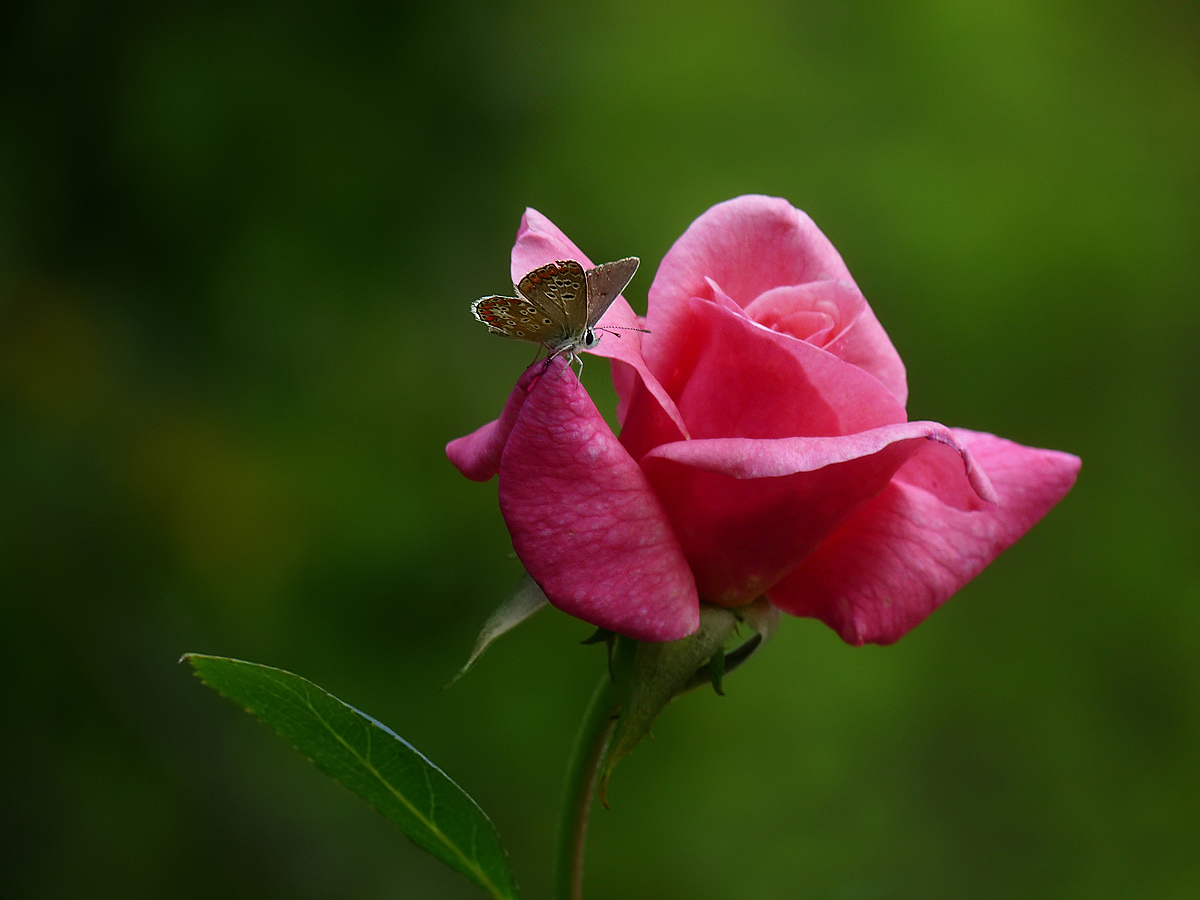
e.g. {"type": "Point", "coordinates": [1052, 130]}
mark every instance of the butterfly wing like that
{"type": "Point", "coordinates": [560, 291]}
{"type": "Point", "coordinates": [604, 285]}
{"type": "Point", "coordinates": [516, 317]}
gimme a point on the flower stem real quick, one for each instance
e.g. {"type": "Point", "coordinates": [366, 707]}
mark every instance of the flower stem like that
{"type": "Point", "coordinates": [598, 724]}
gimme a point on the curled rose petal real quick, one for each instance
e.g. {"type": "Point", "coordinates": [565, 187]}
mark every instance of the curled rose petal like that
{"type": "Point", "coordinates": [732, 377]}
{"type": "Point", "coordinates": [645, 421]}
{"type": "Point", "coordinates": [749, 511]}
{"type": "Point", "coordinates": [585, 522]}
{"type": "Point", "coordinates": [903, 553]}
{"type": "Point", "coordinates": [748, 245]}
{"type": "Point", "coordinates": [835, 316]}
{"type": "Point", "coordinates": [540, 241]}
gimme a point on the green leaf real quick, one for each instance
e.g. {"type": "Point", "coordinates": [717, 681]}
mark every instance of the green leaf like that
{"type": "Point", "coordinates": [371, 760]}
{"type": "Point", "coordinates": [523, 603]}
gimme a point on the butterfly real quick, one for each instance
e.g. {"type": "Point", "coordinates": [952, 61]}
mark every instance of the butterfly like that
{"type": "Point", "coordinates": [558, 305]}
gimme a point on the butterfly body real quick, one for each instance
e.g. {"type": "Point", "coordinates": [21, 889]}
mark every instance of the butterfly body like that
{"type": "Point", "coordinates": [557, 305]}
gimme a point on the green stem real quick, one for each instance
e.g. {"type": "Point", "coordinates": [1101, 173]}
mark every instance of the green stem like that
{"type": "Point", "coordinates": [598, 724]}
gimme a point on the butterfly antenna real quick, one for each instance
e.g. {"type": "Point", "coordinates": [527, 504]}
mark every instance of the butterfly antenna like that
{"type": "Point", "coordinates": [613, 329]}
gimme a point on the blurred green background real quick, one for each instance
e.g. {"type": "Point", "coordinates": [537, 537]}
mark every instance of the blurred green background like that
{"type": "Point", "coordinates": [237, 248]}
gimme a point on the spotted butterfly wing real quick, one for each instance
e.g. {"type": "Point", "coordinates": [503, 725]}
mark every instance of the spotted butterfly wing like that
{"type": "Point", "coordinates": [560, 287]}
{"type": "Point", "coordinates": [516, 317]}
{"type": "Point", "coordinates": [604, 285]}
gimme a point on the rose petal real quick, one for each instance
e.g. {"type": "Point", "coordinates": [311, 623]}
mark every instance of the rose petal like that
{"type": "Point", "coordinates": [749, 245]}
{"type": "Point", "coordinates": [814, 327]}
{"type": "Point", "coordinates": [540, 242]}
{"type": "Point", "coordinates": [902, 554]}
{"type": "Point", "coordinates": [857, 337]}
{"type": "Point", "coordinates": [646, 420]}
{"type": "Point", "coordinates": [585, 522]}
{"type": "Point", "coordinates": [839, 302]}
{"type": "Point", "coordinates": [624, 345]}
{"type": "Point", "coordinates": [735, 378]}
{"type": "Point", "coordinates": [748, 511]}
{"type": "Point", "coordinates": [477, 455]}
{"type": "Point", "coordinates": [738, 378]}
{"type": "Point", "coordinates": [865, 344]}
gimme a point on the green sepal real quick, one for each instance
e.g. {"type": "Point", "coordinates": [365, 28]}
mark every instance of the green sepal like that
{"type": "Point", "coordinates": [656, 674]}
{"type": "Point", "coordinates": [716, 670]}
{"type": "Point", "coordinates": [524, 601]}
{"type": "Point", "coordinates": [764, 619]}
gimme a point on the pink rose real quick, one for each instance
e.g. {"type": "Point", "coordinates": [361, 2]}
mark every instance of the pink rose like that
{"type": "Point", "coordinates": [764, 449]}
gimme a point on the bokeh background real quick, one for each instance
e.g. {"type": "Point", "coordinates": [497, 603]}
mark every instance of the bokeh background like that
{"type": "Point", "coordinates": [237, 248]}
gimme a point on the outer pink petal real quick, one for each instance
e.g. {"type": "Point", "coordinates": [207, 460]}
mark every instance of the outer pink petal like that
{"type": "Point", "coordinates": [540, 241]}
{"type": "Point", "coordinates": [749, 245]}
{"type": "Point", "coordinates": [735, 378]}
{"type": "Point", "coordinates": [585, 522]}
{"type": "Point", "coordinates": [906, 551]}
{"type": "Point", "coordinates": [477, 455]}
{"type": "Point", "coordinates": [748, 511]}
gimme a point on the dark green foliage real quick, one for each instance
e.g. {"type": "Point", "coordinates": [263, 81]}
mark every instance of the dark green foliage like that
{"type": "Point", "coordinates": [371, 760]}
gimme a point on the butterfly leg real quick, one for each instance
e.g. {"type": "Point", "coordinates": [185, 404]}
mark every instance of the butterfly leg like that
{"type": "Point", "coordinates": [549, 357]}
